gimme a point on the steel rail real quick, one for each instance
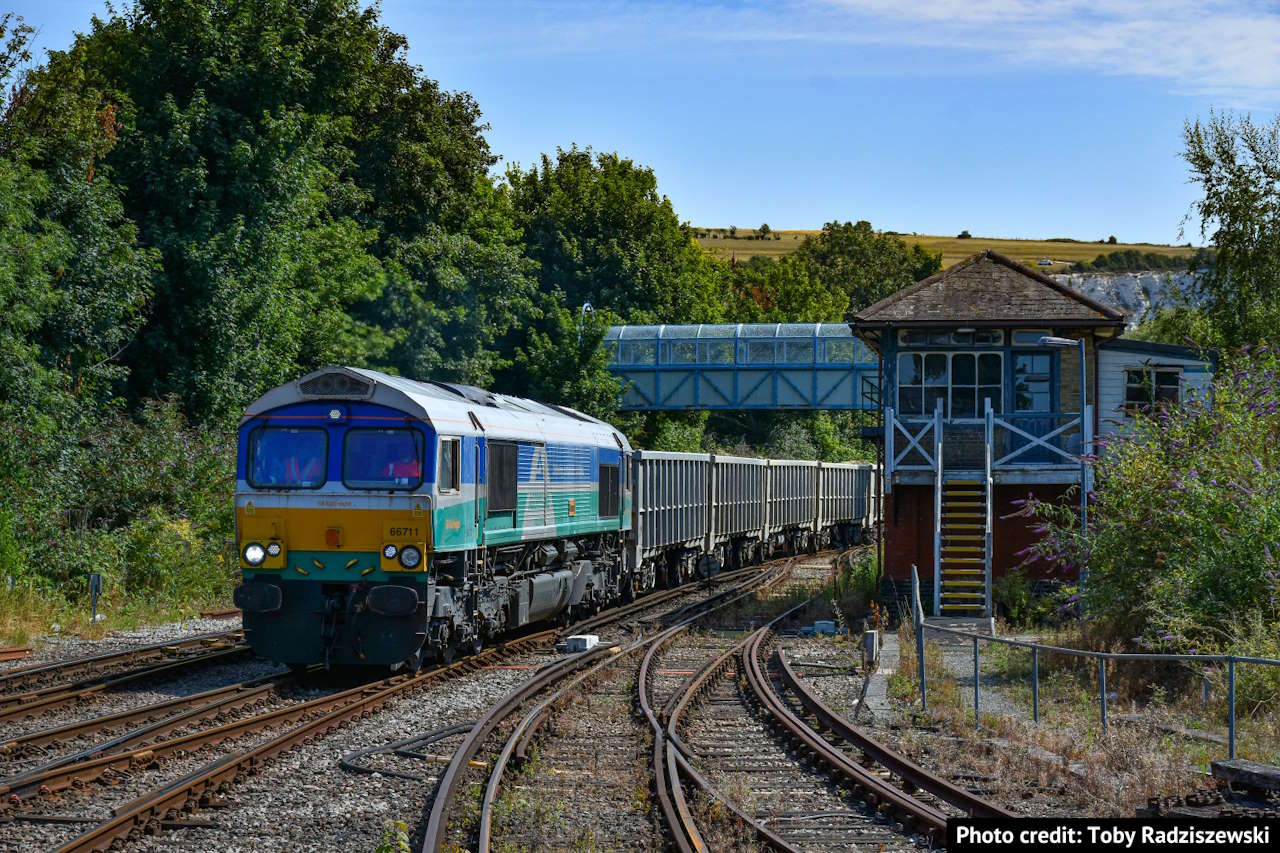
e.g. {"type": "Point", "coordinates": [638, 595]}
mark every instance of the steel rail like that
{"type": "Point", "coordinates": [219, 701]}
{"type": "Point", "coordinates": [14, 680]}
{"type": "Point", "coordinates": [527, 728]}
{"type": "Point", "coordinates": [877, 792]}
{"type": "Point", "coordinates": [56, 697]}
{"type": "Point", "coordinates": [129, 820]}
{"type": "Point", "coordinates": [667, 759]}
{"type": "Point", "coordinates": [68, 731]}
{"type": "Point", "coordinates": [447, 791]}
{"type": "Point", "coordinates": [895, 762]}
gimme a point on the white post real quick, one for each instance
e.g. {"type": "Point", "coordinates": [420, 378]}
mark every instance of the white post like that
{"type": "Point", "coordinates": [937, 509]}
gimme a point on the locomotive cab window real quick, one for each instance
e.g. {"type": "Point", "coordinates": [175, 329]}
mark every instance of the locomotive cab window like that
{"type": "Point", "coordinates": [449, 468]}
{"type": "Point", "coordinates": [503, 468]}
{"type": "Point", "coordinates": [608, 491]}
{"type": "Point", "coordinates": [382, 459]}
{"type": "Point", "coordinates": [287, 458]}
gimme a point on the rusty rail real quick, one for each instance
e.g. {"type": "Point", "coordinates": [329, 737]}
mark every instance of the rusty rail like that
{"type": "Point", "coordinates": [899, 765]}
{"type": "Point", "coordinates": [130, 820]}
{"type": "Point", "coordinates": [46, 699]}
{"type": "Point", "coordinates": [19, 679]}
{"type": "Point", "coordinates": [527, 728]}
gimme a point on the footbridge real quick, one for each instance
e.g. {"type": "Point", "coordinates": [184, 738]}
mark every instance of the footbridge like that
{"type": "Point", "coordinates": [742, 366]}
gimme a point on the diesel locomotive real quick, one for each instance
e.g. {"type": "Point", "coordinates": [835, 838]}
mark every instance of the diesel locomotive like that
{"type": "Point", "coordinates": [382, 521]}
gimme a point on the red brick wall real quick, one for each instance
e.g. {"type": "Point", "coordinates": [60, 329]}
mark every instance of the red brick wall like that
{"type": "Point", "coordinates": [908, 530]}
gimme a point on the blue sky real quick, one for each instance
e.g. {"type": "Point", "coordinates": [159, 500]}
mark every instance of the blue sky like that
{"type": "Point", "coordinates": [1009, 118]}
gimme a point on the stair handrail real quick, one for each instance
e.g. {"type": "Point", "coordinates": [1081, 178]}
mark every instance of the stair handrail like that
{"type": "Point", "coordinates": [988, 533]}
{"type": "Point", "coordinates": [937, 508]}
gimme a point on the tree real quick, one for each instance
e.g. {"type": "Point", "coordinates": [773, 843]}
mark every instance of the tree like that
{"type": "Point", "coordinates": [313, 198]}
{"type": "Point", "coordinates": [733, 231]}
{"type": "Point", "coordinates": [1236, 163]}
{"type": "Point", "coordinates": [1112, 239]}
{"type": "Point", "coordinates": [867, 265]}
{"type": "Point", "coordinates": [787, 290]}
{"type": "Point", "coordinates": [964, 235]}
{"type": "Point", "coordinates": [764, 231]}
{"type": "Point", "coordinates": [600, 232]}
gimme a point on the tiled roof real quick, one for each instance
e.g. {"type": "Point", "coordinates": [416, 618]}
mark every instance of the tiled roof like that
{"type": "Point", "coordinates": [987, 288]}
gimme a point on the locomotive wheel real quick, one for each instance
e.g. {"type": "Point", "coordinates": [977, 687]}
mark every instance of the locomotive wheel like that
{"type": "Point", "coordinates": [447, 651]}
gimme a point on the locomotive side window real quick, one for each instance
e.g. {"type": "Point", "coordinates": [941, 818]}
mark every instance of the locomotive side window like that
{"type": "Point", "coordinates": [608, 491]}
{"type": "Point", "coordinates": [382, 459]}
{"type": "Point", "coordinates": [287, 458]}
{"type": "Point", "coordinates": [503, 469]}
{"type": "Point", "coordinates": [449, 470]}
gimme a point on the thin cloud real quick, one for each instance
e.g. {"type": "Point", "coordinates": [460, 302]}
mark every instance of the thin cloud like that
{"type": "Point", "coordinates": [1229, 50]}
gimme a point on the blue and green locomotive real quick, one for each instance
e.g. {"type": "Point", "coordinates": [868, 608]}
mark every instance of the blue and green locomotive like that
{"type": "Point", "coordinates": [381, 521]}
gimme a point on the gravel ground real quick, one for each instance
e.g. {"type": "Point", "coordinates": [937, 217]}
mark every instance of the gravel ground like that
{"type": "Point", "coordinates": [330, 809]}
{"type": "Point", "coordinates": [103, 704]}
{"type": "Point", "coordinates": [53, 648]}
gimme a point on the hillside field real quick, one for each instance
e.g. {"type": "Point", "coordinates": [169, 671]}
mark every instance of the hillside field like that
{"type": "Point", "coordinates": [1061, 252]}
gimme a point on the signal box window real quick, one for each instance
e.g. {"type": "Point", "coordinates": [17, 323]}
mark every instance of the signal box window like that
{"type": "Point", "coordinates": [1144, 387]}
{"type": "Point", "coordinates": [382, 459]}
{"type": "Point", "coordinates": [448, 471]}
{"type": "Point", "coordinates": [608, 491]}
{"type": "Point", "coordinates": [288, 458]}
{"type": "Point", "coordinates": [503, 469]}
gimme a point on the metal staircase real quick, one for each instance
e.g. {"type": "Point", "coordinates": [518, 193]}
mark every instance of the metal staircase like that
{"type": "Point", "coordinates": [963, 556]}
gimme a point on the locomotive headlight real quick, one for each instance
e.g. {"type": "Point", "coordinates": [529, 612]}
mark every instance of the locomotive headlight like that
{"type": "Point", "coordinates": [273, 549]}
{"type": "Point", "coordinates": [390, 552]}
{"type": "Point", "coordinates": [410, 557]}
{"type": "Point", "coordinates": [254, 554]}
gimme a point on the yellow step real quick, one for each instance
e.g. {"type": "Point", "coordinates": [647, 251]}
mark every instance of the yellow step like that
{"type": "Point", "coordinates": [949, 514]}
{"type": "Point", "coordinates": [953, 583]}
{"type": "Point", "coordinates": [963, 537]}
{"type": "Point", "coordinates": [968, 560]}
{"type": "Point", "coordinates": [963, 596]}
{"type": "Point", "coordinates": [947, 494]}
{"type": "Point", "coordinates": [962, 573]}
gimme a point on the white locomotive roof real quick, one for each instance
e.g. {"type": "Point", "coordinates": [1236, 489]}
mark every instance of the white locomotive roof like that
{"type": "Point", "coordinates": [450, 409]}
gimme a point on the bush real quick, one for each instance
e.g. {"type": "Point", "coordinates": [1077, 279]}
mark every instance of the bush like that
{"type": "Point", "coordinates": [1012, 594]}
{"type": "Point", "coordinates": [1183, 545]}
{"type": "Point", "coordinates": [143, 499]}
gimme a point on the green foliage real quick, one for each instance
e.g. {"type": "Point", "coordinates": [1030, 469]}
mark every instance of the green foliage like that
{"type": "Point", "coordinates": [395, 838]}
{"type": "Point", "coordinates": [1012, 594]}
{"type": "Point", "coordinates": [865, 264]}
{"type": "Point", "coordinates": [1133, 260]}
{"type": "Point", "coordinates": [1237, 165]}
{"type": "Point", "coordinates": [600, 232]}
{"type": "Point", "coordinates": [1183, 545]}
{"type": "Point", "coordinates": [857, 582]}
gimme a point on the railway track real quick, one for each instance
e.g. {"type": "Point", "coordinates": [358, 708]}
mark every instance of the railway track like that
{"type": "Point", "coordinates": [242, 722]}
{"type": "Point", "coordinates": [18, 682]}
{"type": "Point", "coordinates": [26, 684]}
{"type": "Point", "coordinates": [803, 791]}
{"type": "Point", "coordinates": [570, 677]}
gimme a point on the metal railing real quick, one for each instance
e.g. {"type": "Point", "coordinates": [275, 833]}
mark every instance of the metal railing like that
{"type": "Point", "coordinates": [918, 620]}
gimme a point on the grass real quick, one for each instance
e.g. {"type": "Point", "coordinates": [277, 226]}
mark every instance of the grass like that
{"type": "Point", "coordinates": [1102, 771]}
{"type": "Point", "coordinates": [1061, 252]}
{"type": "Point", "coordinates": [26, 614]}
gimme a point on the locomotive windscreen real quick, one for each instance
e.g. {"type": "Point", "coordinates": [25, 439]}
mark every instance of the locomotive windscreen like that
{"type": "Point", "coordinates": [287, 457]}
{"type": "Point", "coordinates": [382, 459]}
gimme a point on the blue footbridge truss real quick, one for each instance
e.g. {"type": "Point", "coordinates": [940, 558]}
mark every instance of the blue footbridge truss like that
{"type": "Point", "coordinates": [743, 366]}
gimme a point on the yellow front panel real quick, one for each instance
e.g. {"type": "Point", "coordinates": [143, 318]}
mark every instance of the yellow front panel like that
{"type": "Point", "coordinates": [356, 529]}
